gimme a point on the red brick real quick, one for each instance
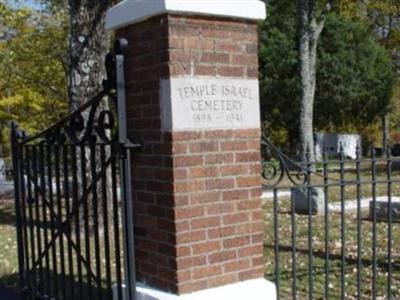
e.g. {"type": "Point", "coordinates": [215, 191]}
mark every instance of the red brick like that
{"type": "Point", "coordinates": [249, 205]}
{"type": "Point", "coordinates": [253, 273]}
{"type": "Point", "coordinates": [205, 70]}
{"type": "Point", "coordinates": [220, 184]}
{"type": "Point", "coordinates": [220, 257]}
{"type": "Point", "coordinates": [250, 228]}
{"type": "Point", "coordinates": [199, 44]}
{"type": "Point", "coordinates": [204, 172]}
{"type": "Point", "coordinates": [221, 232]}
{"type": "Point", "coordinates": [190, 237]}
{"type": "Point", "coordinates": [184, 56]}
{"type": "Point", "coordinates": [207, 247]}
{"type": "Point", "coordinates": [234, 170]}
{"type": "Point", "coordinates": [219, 208]}
{"type": "Point", "coordinates": [176, 43]}
{"type": "Point", "coordinates": [252, 48]}
{"type": "Point", "coordinates": [223, 280]}
{"type": "Point", "coordinates": [257, 238]}
{"type": "Point", "coordinates": [182, 226]}
{"type": "Point", "coordinates": [234, 146]}
{"type": "Point", "coordinates": [193, 286]}
{"type": "Point", "coordinates": [237, 265]}
{"type": "Point", "coordinates": [252, 72]}
{"type": "Point", "coordinates": [183, 276]}
{"type": "Point", "coordinates": [257, 215]}
{"type": "Point", "coordinates": [247, 133]}
{"type": "Point", "coordinates": [179, 148]}
{"type": "Point", "coordinates": [255, 169]}
{"type": "Point", "coordinates": [244, 60]}
{"type": "Point", "coordinates": [189, 212]}
{"type": "Point", "coordinates": [230, 71]}
{"type": "Point", "coordinates": [229, 46]}
{"type": "Point", "coordinates": [222, 134]}
{"type": "Point", "coordinates": [186, 136]}
{"type": "Point", "coordinates": [235, 195]}
{"type": "Point", "coordinates": [257, 261]}
{"type": "Point", "coordinates": [215, 58]}
{"type": "Point", "coordinates": [236, 218]}
{"type": "Point", "coordinates": [248, 157]}
{"type": "Point", "coordinates": [189, 186]}
{"type": "Point", "coordinates": [190, 160]}
{"type": "Point", "coordinates": [256, 191]}
{"type": "Point", "coordinates": [214, 159]}
{"type": "Point", "coordinates": [204, 197]}
{"type": "Point", "coordinates": [204, 147]}
{"type": "Point", "coordinates": [208, 271]}
{"type": "Point", "coordinates": [190, 262]}
{"type": "Point", "coordinates": [250, 251]}
{"type": "Point", "coordinates": [179, 174]}
{"type": "Point", "coordinates": [183, 251]}
{"type": "Point", "coordinates": [208, 222]}
{"type": "Point", "coordinates": [250, 181]}
{"type": "Point", "coordinates": [214, 33]}
{"type": "Point", "coordinates": [236, 242]}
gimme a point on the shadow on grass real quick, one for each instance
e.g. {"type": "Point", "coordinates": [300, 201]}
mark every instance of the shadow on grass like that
{"type": "Point", "coordinates": [56, 286]}
{"type": "Point", "coordinates": [7, 216]}
{"type": "Point", "coordinates": [381, 263]}
{"type": "Point", "coordinates": [10, 282]}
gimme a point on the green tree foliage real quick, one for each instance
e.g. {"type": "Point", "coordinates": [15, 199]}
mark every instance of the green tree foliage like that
{"type": "Point", "coordinates": [354, 78]}
{"type": "Point", "coordinates": [32, 68]}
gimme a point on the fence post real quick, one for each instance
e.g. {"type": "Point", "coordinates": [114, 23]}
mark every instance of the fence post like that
{"type": "Point", "coordinates": [15, 148]}
{"type": "Point", "coordinates": [126, 180]}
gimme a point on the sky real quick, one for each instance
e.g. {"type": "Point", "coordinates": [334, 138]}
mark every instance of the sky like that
{"type": "Point", "coordinates": [28, 3]}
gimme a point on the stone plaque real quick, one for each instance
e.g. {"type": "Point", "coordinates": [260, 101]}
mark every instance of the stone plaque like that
{"type": "Point", "coordinates": [190, 103]}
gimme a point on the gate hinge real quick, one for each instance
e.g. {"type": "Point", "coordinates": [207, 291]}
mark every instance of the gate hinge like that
{"type": "Point", "coordinates": [128, 145]}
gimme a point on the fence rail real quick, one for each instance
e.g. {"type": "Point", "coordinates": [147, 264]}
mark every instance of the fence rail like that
{"type": "Point", "coordinates": [334, 226]}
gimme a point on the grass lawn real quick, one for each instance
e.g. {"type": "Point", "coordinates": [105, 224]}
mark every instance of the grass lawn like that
{"type": "Point", "coordinates": [8, 245]}
{"type": "Point", "coordinates": [334, 242]}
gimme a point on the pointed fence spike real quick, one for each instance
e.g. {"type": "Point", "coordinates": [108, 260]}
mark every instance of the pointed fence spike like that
{"type": "Point", "coordinates": [308, 152]}
{"type": "Point", "coordinates": [388, 151]}
{"type": "Point", "coordinates": [358, 151]}
{"type": "Point", "coordinates": [373, 151]}
{"type": "Point", "coordinates": [341, 151]}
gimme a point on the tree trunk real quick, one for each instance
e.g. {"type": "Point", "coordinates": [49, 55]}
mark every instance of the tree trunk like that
{"type": "Point", "coordinates": [309, 30]}
{"type": "Point", "coordinates": [89, 44]}
{"type": "Point", "coordinates": [307, 93]}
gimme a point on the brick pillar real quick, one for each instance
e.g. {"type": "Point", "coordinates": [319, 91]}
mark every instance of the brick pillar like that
{"type": "Point", "coordinates": [192, 98]}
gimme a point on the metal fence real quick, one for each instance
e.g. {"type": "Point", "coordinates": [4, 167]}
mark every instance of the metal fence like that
{"type": "Point", "coordinates": [333, 227]}
{"type": "Point", "coordinates": [73, 200]}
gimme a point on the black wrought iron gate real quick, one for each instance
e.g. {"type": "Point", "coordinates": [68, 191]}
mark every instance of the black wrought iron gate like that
{"type": "Point", "coordinates": [73, 200]}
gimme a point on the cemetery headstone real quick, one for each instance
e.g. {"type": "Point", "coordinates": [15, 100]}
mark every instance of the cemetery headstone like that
{"type": "Point", "coordinates": [331, 144]}
{"type": "Point", "coordinates": [303, 197]}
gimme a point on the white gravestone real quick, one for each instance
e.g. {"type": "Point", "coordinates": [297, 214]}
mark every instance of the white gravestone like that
{"type": "Point", "coordinates": [2, 171]}
{"type": "Point", "coordinates": [331, 143]}
{"type": "Point", "coordinates": [196, 103]}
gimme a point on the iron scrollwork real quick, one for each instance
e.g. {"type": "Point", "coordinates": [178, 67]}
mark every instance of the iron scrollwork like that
{"type": "Point", "coordinates": [278, 167]}
{"type": "Point", "coordinates": [94, 121]}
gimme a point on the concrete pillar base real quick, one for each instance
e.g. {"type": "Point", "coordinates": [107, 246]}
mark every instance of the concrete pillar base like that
{"type": "Point", "coordinates": [255, 289]}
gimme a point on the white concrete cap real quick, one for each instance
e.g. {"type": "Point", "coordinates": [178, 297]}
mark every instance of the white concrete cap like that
{"type": "Point", "coordinates": [133, 11]}
{"type": "Point", "coordinates": [255, 289]}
